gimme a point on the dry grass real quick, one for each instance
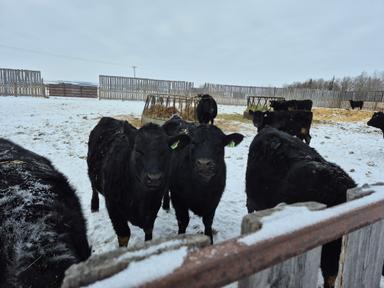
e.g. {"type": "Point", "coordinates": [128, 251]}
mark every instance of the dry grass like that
{"type": "Point", "coordinates": [340, 115]}
{"type": "Point", "coordinates": [131, 119]}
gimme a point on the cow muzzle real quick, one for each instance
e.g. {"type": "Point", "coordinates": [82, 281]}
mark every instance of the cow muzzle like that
{"type": "Point", "coordinates": [205, 168]}
{"type": "Point", "coordinates": [154, 180]}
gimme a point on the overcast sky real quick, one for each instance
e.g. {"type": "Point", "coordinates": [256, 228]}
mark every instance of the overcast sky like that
{"type": "Point", "coordinates": [232, 42]}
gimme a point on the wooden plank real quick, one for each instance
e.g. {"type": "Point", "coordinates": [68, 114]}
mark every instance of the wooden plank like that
{"type": "Point", "coordinates": [362, 253]}
{"type": "Point", "coordinates": [298, 272]}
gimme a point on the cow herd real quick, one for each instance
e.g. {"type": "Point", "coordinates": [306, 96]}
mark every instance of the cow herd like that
{"type": "Point", "coordinates": [42, 228]}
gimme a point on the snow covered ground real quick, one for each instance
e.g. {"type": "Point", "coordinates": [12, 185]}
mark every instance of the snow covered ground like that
{"type": "Point", "coordinates": [58, 128]}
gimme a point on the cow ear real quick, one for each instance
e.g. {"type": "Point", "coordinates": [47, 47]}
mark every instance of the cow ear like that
{"type": "Point", "coordinates": [178, 141]}
{"type": "Point", "coordinates": [234, 139]}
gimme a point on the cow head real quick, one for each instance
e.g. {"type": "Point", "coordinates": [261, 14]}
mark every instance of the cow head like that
{"type": "Point", "coordinates": [206, 150]}
{"type": "Point", "coordinates": [377, 120]}
{"type": "Point", "coordinates": [257, 118]}
{"type": "Point", "coordinates": [151, 155]}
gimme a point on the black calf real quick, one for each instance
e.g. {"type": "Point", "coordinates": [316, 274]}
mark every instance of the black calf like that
{"type": "Point", "coordinates": [206, 109]}
{"type": "Point", "coordinates": [42, 228]}
{"type": "Point", "coordinates": [199, 175]}
{"type": "Point", "coordinates": [281, 168]}
{"type": "Point", "coordinates": [130, 168]}
{"type": "Point", "coordinates": [377, 121]}
{"type": "Point", "coordinates": [356, 104]}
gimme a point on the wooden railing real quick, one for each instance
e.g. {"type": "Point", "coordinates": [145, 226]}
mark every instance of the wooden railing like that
{"type": "Point", "coordinates": [273, 244]}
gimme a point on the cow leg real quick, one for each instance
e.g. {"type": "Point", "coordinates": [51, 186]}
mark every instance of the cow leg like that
{"type": "Point", "coordinates": [250, 205]}
{"type": "Point", "coordinates": [307, 139]}
{"type": "Point", "coordinates": [208, 220]}
{"type": "Point", "coordinates": [330, 255]}
{"type": "Point", "coordinates": [95, 199]}
{"type": "Point", "coordinates": [119, 224]}
{"type": "Point", "coordinates": [182, 217]}
{"type": "Point", "coordinates": [166, 204]}
{"type": "Point", "coordinates": [148, 233]}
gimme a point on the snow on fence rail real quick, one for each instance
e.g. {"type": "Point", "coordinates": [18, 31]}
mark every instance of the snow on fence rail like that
{"type": "Point", "coordinates": [281, 245]}
{"type": "Point", "coordinates": [15, 82]}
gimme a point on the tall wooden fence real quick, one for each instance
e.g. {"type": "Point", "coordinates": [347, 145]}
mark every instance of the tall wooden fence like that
{"type": "Point", "coordinates": [374, 100]}
{"type": "Point", "coordinates": [128, 88]}
{"type": "Point", "coordinates": [72, 90]}
{"type": "Point", "coordinates": [15, 82]}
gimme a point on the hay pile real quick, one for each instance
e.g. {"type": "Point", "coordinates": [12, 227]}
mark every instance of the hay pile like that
{"type": "Point", "coordinates": [161, 112]}
{"type": "Point", "coordinates": [340, 115]}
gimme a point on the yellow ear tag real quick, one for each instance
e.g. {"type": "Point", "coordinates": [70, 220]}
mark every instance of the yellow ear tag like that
{"type": "Point", "coordinates": [174, 145]}
{"type": "Point", "coordinates": [231, 144]}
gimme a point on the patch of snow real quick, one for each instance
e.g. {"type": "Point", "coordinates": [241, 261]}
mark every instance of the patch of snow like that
{"type": "Point", "coordinates": [149, 269]}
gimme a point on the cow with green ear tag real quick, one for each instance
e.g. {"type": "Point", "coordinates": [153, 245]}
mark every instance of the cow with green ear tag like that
{"type": "Point", "coordinates": [131, 168]}
{"type": "Point", "coordinates": [199, 174]}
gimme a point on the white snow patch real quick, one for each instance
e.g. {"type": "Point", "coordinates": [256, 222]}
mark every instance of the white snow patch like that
{"type": "Point", "coordinates": [149, 269]}
{"type": "Point", "coordinates": [301, 217]}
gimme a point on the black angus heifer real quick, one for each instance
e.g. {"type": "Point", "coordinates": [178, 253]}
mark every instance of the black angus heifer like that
{"type": "Point", "coordinates": [296, 123]}
{"type": "Point", "coordinates": [42, 228]}
{"type": "Point", "coordinates": [199, 175]}
{"type": "Point", "coordinates": [281, 168]}
{"type": "Point", "coordinates": [377, 121]}
{"type": "Point", "coordinates": [291, 105]}
{"type": "Point", "coordinates": [206, 109]}
{"type": "Point", "coordinates": [356, 104]}
{"type": "Point", "coordinates": [130, 168]}
{"type": "Point", "coordinates": [176, 125]}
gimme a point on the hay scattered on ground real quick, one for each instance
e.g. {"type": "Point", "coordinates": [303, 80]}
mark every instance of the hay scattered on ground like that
{"type": "Point", "coordinates": [340, 115]}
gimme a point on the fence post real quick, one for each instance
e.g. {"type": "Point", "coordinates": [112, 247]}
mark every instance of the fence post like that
{"type": "Point", "coordinates": [298, 272]}
{"type": "Point", "coordinates": [362, 254]}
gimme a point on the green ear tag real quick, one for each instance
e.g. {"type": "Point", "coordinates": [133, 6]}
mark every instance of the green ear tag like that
{"type": "Point", "coordinates": [231, 144]}
{"type": "Point", "coordinates": [174, 145]}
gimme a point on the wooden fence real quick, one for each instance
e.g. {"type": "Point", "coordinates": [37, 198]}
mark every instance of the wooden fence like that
{"type": "Point", "coordinates": [72, 90]}
{"type": "Point", "coordinates": [279, 247]}
{"type": "Point", "coordinates": [373, 100]}
{"type": "Point", "coordinates": [14, 82]}
{"type": "Point", "coordinates": [128, 88]}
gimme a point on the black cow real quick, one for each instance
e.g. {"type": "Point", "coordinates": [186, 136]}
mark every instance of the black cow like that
{"type": "Point", "coordinates": [42, 228]}
{"type": "Point", "coordinates": [199, 175]}
{"type": "Point", "coordinates": [206, 109]}
{"type": "Point", "coordinates": [356, 104]}
{"type": "Point", "coordinates": [130, 167]}
{"type": "Point", "coordinates": [377, 121]}
{"type": "Point", "coordinates": [281, 168]}
{"type": "Point", "coordinates": [176, 125]}
{"type": "Point", "coordinates": [296, 123]}
{"type": "Point", "coordinates": [291, 105]}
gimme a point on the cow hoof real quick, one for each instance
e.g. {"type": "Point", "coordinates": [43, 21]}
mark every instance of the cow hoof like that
{"type": "Point", "coordinates": [123, 241]}
{"type": "Point", "coordinates": [330, 282]}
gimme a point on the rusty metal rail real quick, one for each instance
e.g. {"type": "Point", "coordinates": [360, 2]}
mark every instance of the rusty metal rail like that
{"type": "Point", "coordinates": [232, 260]}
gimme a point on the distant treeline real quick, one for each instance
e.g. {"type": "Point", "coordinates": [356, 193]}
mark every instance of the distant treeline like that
{"type": "Point", "coordinates": [363, 82]}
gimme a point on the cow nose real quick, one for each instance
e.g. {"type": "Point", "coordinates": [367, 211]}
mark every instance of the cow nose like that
{"type": "Point", "coordinates": [204, 164]}
{"type": "Point", "coordinates": [154, 179]}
